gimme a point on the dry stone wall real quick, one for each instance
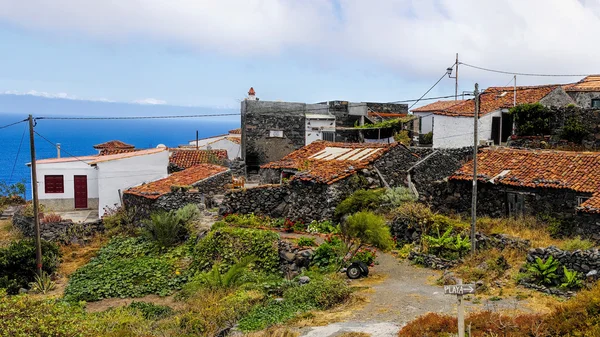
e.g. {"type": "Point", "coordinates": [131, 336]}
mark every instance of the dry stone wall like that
{"type": "Point", "coordinates": [65, 231]}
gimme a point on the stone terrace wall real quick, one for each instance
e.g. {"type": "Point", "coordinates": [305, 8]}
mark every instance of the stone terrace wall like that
{"type": "Point", "coordinates": [65, 231]}
{"type": "Point", "coordinates": [215, 184]}
{"type": "Point", "coordinates": [582, 261]}
{"type": "Point", "coordinates": [296, 200]}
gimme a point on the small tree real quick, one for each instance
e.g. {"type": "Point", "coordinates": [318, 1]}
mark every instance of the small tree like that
{"type": "Point", "coordinates": [574, 130]}
{"type": "Point", "coordinates": [532, 119]}
{"type": "Point", "coordinates": [365, 228]}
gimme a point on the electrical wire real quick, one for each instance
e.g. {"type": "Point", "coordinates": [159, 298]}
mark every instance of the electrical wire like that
{"type": "Point", "coordinates": [54, 144]}
{"type": "Point", "coordinates": [426, 92]}
{"type": "Point", "coordinates": [17, 157]}
{"type": "Point", "coordinates": [137, 117]}
{"type": "Point", "coordinates": [522, 74]}
{"type": "Point", "coordinates": [15, 123]}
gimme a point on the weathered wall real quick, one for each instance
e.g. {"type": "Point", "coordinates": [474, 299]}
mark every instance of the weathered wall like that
{"type": "Point", "coordinates": [65, 231]}
{"type": "Point", "coordinates": [215, 184]}
{"type": "Point", "coordinates": [584, 99]}
{"type": "Point", "coordinates": [296, 200]}
{"type": "Point", "coordinates": [557, 98]}
{"type": "Point", "coordinates": [394, 164]}
{"type": "Point", "coordinates": [582, 261]}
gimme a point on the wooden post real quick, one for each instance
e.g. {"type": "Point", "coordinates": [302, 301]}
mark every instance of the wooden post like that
{"type": "Point", "coordinates": [34, 188]}
{"type": "Point", "coordinates": [461, 314]}
{"type": "Point", "coordinates": [475, 146]}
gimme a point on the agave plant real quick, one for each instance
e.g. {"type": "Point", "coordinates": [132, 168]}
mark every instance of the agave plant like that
{"type": "Point", "coordinates": [42, 284]}
{"type": "Point", "coordinates": [544, 272]}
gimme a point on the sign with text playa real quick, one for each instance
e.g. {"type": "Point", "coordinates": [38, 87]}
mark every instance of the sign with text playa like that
{"type": "Point", "coordinates": [459, 289]}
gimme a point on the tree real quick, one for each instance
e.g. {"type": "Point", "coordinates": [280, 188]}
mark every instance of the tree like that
{"type": "Point", "coordinates": [532, 119]}
{"type": "Point", "coordinates": [365, 228]}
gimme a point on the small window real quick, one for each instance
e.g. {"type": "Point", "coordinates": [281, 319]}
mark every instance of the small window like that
{"type": "Point", "coordinates": [276, 133]}
{"type": "Point", "coordinates": [596, 103]}
{"type": "Point", "coordinates": [54, 184]}
{"type": "Point", "coordinates": [581, 200]}
{"type": "Point", "coordinates": [329, 136]}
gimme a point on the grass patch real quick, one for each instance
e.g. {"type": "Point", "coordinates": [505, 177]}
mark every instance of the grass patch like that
{"type": "Point", "coordinates": [76, 256]}
{"type": "Point", "coordinates": [8, 233]}
{"type": "Point", "coordinates": [528, 228]}
{"type": "Point", "coordinates": [576, 244]}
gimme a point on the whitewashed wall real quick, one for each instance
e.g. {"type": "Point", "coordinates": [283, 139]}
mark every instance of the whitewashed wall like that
{"type": "Point", "coordinates": [65, 201]}
{"type": "Point", "coordinates": [233, 149]}
{"type": "Point", "coordinates": [121, 174]}
{"type": "Point", "coordinates": [315, 128]}
{"type": "Point", "coordinates": [205, 141]}
{"type": "Point", "coordinates": [426, 119]}
{"type": "Point", "coordinates": [456, 132]}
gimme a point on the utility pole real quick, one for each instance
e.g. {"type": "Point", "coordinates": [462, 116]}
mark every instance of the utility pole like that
{"type": "Point", "coordinates": [461, 313]}
{"type": "Point", "coordinates": [475, 148]}
{"type": "Point", "coordinates": [34, 187]}
{"type": "Point", "coordinates": [515, 92]}
{"type": "Point", "coordinates": [456, 80]}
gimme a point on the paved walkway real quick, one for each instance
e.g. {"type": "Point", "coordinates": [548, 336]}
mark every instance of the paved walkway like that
{"type": "Point", "coordinates": [82, 216]}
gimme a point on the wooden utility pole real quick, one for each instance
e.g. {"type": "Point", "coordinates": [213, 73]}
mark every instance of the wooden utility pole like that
{"type": "Point", "coordinates": [34, 188]}
{"type": "Point", "coordinates": [475, 148]}
{"type": "Point", "coordinates": [461, 313]}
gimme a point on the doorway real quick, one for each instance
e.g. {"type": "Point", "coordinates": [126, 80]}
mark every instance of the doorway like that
{"type": "Point", "coordinates": [81, 192]}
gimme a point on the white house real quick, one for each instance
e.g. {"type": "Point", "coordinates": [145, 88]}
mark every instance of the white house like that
{"type": "Point", "coordinates": [319, 127]}
{"type": "Point", "coordinates": [425, 115]}
{"type": "Point", "coordinates": [231, 142]}
{"type": "Point", "coordinates": [96, 182]}
{"type": "Point", "coordinates": [453, 126]}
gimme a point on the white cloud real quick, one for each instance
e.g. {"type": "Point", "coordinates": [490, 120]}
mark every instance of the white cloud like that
{"type": "Point", "coordinates": [414, 37]}
{"type": "Point", "coordinates": [150, 101]}
{"type": "Point", "coordinates": [61, 95]}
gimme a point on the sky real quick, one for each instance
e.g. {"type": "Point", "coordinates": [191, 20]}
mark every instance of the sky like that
{"type": "Point", "coordinates": [208, 53]}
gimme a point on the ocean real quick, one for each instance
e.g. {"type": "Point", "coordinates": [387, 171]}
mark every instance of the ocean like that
{"type": "Point", "coordinates": [77, 138]}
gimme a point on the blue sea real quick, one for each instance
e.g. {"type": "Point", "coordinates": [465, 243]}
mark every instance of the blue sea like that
{"type": "Point", "coordinates": [77, 138]}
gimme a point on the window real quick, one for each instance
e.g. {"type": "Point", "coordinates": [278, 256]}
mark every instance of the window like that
{"type": "Point", "coordinates": [596, 103]}
{"type": "Point", "coordinates": [54, 184]}
{"type": "Point", "coordinates": [516, 204]}
{"type": "Point", "coordinates": [276, 133]}
{"type": "Point", "coordinates": [581, 200]}
{"type": "Point", "coordinates": [329, 136]}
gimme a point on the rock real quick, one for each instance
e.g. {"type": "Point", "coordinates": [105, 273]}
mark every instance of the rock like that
{"type": "Point", "coordinates": [593, 274]}
{"type": "Point", "coordinates": [479, 284]}
{"type": "Point", "coordinates": [303, 280]}
{"type": "Point", "coordinates": [23, 291]}
{"type": "Point", "coordinates": [288, 256]}
{"type": "Point", "coordinates": [306, 252]}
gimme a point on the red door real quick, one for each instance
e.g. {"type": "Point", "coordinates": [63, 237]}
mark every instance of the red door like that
{"type": "Point", "coordinates": [81, 193]}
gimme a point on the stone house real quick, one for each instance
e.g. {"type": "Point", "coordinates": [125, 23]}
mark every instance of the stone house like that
{"type": "Point", "coordinates": [585, 93]}
{"type": "Point", "coordinates": [517, 182]}
{"type": "Point", "coordinates": [96, 182]}
{"type": "Point", "coordinates": [195, 185]}
{"type": "Point", "coordinates": [271, 130]}
{"type": "Point", "coordinates": [310, 182]}
{"type": "Point", "coordinates": [184, 158]}
{"type": "Point", "coordinates": [453, 127]}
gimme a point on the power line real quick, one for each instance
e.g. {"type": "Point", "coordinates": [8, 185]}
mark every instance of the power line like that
{"type": "Point", "coordinates": [426, 92]}
{"type": "Point", "coordinates": [137, 117]}
{"type": "Point", "coordinates": [54, 144]}
{"type": "Point", "coordinates": [17, 157]}
{"type": "Point", "coordinates": [522, 74]}
{"type": "Point", "coordinates": [11, 124]}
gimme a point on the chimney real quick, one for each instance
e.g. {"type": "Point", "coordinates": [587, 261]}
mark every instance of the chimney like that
{"type": "Point", "coordinates": [251, 94]}
{"type": "Point", "coordinates": [57, 150]}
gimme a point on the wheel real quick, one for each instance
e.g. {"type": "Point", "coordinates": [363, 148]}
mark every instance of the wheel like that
{"type": "Point", "coordinates": [364, 269]}
{"type": "Point", "coordinates": [354, 271]}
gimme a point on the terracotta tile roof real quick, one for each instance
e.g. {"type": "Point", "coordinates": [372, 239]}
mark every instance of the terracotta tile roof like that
{"type": "Point", "coordinates": [437, 106]}
{"type": "Point", "coordinates": [495, 98]}
{"type": "Point", "coordinates": [113, 144]}
{"type": "Point", "coordinates": [192, 175]}
{"type": "Point", "coordinates": [65, 159]}
{"type": "Point", "coordinates": [577, 171]}
{"type": "Point", "coordinates": [328, 162]}
{"type": "Point", "coordinates": [107, 152]}
{"type": "Point", "coordinates": [186, 157]}
{"type": "Point", "coordinates": [589, 83]}
{"type": "Point", "coordinates": [237, 131]}
{"type": "Point", "coordinates": [100, 159]}
{"type": "Point", "coordinates": [236, 140]}
{"type": "Point", "coordinates": [386, 114]}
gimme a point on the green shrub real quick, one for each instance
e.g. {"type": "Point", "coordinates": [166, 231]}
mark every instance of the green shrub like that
{"type": "Point", "coordinates": [166, 228]}
{"type": "Point", "coordinates": [323, 227]}
{"type": "Point", "coordinates": [543, 272]}
{"type": "Point", "coordinates": [322, 292]}
{"type": "Point", "coordinates": [532, 119]}
{"type": "Point", "coordinates": [120, 220]}
{"type": "Point", "coordinates": [556, 227]}
{"type": "Point", "coordinates": [18, 263]}
{"type": "Point", "coordinates": [427, 138]}
{"type": "Point", "coordinates": [396, 196]}
{"type": "Point", "coordinates": [151, 310]}
{"type": "Point", "coordinates": [366, 228]}
{"type": "Point", "coordinates": [306, 242]}
{"type": "Point", "coordinates": [574, 130]}
{"type": "Point", "coordinates": [328, 255]}
{"type": "Point", "coordinates": [402, 137]}
{"type": "Point", "coordinates": [228, 245]}
{"type": "Point", "coordinates": [577, 243]}
{"type": "Point", "coordinates": [366, 255]}
{"type": "Point", "coordinates": [270, 313]}
{"type": "Point", "coordinates": [126, 267]}
{"type": "Point", "coordinates": [414, 215]}
{"type": "Point", "coordinates": [360, 200]}
{"type": "Point", "coordinates": [232, 277]}
{"type": "Point", "coordinates": [188, 213]}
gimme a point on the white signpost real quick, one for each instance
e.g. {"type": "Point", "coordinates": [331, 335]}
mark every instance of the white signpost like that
{"type": "Point", "coordinates": [459, 290]}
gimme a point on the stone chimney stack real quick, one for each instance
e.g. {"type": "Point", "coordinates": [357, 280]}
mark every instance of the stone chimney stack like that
{"type": "Point", "coordinates": [251, 95]}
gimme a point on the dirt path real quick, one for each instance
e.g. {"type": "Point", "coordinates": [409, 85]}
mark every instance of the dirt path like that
{"type": "Point", "coordinates": [404, 294]}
